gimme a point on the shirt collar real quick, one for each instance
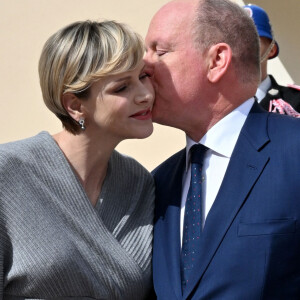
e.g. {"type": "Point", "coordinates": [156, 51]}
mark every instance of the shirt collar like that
{"type": "Point", "coordinates": [222, 137]}
{"type": "Point", "coordinates": [263, 89]}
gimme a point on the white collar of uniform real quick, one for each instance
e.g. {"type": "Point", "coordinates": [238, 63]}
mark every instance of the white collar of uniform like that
{"type": "Point", "coordinates": [222, 137]}
{"type": "Point", "coordinates": [263, 88]}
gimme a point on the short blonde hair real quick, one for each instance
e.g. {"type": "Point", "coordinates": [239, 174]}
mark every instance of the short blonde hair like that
{"type": "Point", "coordinates": [80, 54]}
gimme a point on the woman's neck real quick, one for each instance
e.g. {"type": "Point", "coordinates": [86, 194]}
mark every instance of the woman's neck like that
{"type": "Point", "coordinates": [88, 158]}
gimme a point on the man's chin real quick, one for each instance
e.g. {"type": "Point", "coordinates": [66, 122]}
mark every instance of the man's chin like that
{"type": "Point", "coordinates": [155, 115]}
{"type": "Point", "coordinates": [162, 121]}
{"type": "Point", "coordinates": [160, 118]}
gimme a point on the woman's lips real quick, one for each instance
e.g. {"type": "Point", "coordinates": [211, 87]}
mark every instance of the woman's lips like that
{"type": "Point", "coordinates": [142, 115]}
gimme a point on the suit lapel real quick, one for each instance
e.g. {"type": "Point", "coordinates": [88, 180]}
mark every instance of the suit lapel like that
{"type": "Point", "coordinates": [245, 167]}
{"type": "Point", "coordinates": [169, 225]}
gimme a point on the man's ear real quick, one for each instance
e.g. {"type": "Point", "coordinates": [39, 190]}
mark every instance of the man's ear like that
{"type": "Point", "coordinates": [219, 58]}
{"type": "Point", "coordinates": [72, 105]}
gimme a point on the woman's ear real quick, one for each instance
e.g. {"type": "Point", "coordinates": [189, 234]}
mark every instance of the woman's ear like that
{"type": "Point", "coordinates": [219, 58]}
{"type": "Point", "coordinates": [72, 105]}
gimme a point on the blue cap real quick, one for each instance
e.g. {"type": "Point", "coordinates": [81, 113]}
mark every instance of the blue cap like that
{"type": "Point", "coordinates": [262, 23]}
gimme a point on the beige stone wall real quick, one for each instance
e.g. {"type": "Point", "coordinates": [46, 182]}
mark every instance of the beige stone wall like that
{"type": "Point", "coordinates": [24, 27]}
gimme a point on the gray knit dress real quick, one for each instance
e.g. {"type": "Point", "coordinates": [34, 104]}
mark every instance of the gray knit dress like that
{"type": "Point", "coordinates": [54, 244]}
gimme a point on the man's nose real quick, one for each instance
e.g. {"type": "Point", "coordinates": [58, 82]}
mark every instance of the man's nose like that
{"type": "Point", "coordinates": [148, 59]}
{"type": "Point", "coordinates": [149, 68]}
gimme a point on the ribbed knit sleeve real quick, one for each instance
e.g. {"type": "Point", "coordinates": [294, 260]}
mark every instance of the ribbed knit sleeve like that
{"type": "Point", "coordinates": [55, 244]}
{"type": "Point", "coordinates": [1, 253]}
{"type": "Point", "coordinates": [1, 268]}
{"type": "Point", "coordinates": [129, 187]}
{"type": "Point", "coordinates": [4, 244]}
{"type": "Point", "coordinates": [3, 240]}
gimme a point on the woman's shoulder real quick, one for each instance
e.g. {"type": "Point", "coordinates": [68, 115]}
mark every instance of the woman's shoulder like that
{"type": "Point", "coordinates": [23, 150]}
{"type": "Point", "coordinates": [129, 166]}
{"type": "Point", "coordinates": [40, 137]}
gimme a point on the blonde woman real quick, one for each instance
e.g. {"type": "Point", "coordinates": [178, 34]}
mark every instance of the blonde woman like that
{"type": "Point", "coordinates": [76, 215]}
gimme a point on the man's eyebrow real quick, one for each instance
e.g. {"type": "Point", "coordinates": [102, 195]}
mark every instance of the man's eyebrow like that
{"type": "Point", "coordinates": [153, 44]}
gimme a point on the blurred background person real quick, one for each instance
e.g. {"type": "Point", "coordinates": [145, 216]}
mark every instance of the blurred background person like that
{"type": "Point", "coordinates": [75, 215]}
{"type": "Point", "coordinates": [271, 95]}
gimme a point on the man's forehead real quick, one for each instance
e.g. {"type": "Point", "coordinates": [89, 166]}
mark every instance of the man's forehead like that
{"type": "Point", "coordinates": [161, 35]}
{"type": "Point", "coordinates": [168, 23]}
{"type": "Point", "coordinates": [176, 10]}
{"type": "Point", "coordinates": [179, 5]}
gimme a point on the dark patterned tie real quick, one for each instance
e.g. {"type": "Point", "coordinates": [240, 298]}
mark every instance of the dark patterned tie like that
{"type": "Point", "coordinates": [192, 226]}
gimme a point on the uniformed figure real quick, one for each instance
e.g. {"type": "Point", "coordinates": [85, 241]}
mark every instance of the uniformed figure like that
{"type": "Point", "coordinates": [271, 95]}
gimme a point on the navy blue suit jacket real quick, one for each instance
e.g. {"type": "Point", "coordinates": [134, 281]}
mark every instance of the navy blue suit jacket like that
{"type": "Point", "coordinates": [250, 245]}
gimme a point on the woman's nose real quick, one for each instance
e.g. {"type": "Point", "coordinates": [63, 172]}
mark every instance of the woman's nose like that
{"type": "Point", "coordinates": [145, 96]}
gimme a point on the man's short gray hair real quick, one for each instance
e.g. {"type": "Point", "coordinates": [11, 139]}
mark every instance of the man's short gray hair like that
{"type": "Point", "coordinates": [222, 21]}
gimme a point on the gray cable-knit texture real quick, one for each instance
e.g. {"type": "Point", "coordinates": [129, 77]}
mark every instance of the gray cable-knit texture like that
{"type": "Point", "coordinates": [54, 244]}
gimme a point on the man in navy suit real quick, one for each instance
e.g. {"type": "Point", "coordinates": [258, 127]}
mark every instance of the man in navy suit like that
{"type": "Point", "coordinates": [203, 58]}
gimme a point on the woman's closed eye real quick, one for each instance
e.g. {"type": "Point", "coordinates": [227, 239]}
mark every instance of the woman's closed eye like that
{"type": "Point", "coordinates": [144, 75]}
{"type": "Point", "coordinates": [121, 88]}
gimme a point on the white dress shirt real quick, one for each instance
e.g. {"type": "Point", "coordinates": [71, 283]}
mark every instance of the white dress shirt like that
{"type": "Point", "coordinates": [220, 140]}
{"type": "Point", "coordinates": [263, 89]}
